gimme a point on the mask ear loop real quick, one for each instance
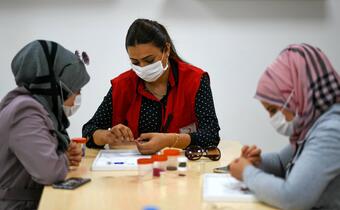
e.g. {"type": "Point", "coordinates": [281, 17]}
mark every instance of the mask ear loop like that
{"type": "Point", "coordinates": [61, 84]}
{"type": "Point", "coordinates": [288, 100]}
{"type": "Point", "coordinates": [61, 92]}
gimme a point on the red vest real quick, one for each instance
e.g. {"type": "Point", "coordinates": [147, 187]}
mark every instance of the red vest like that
{"type": "Point", "coordinates": [128, 89]}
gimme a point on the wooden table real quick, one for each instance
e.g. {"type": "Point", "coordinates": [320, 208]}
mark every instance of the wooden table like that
{"type": "Point", "coordinates": [122, 190]}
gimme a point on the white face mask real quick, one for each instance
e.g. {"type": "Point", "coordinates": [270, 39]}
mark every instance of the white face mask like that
{"type": "Point", "coordinates": [70, 110]}
{"type": "Point", "coordinates": [151, 72]}
{"type": "Point", "coordinates": [282, 126]}
{"type": "Point", "coordinates": [279, 122]}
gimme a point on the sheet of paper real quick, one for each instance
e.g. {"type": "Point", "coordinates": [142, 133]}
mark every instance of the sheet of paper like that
{"type": "Point", "coordinates": [223, 187]}
{"type": "Point", "coordinates": [108, 160]}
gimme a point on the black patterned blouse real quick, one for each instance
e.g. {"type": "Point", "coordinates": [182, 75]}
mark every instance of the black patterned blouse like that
{"type": "Point", "coordinates": [151, 117]}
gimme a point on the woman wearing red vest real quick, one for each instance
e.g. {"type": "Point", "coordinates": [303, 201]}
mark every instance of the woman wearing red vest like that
{"type": "Point", "coordinates": [161, 102]}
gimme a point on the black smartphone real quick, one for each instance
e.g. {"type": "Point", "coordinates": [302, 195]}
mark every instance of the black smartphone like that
{"type": "Point", "coordinates": [71, 183]}
{"type": "Point", "coordinates": [222, 170]}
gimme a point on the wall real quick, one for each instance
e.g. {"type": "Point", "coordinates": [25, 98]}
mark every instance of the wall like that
{"type": "Point", "coordinates": [234, 40]}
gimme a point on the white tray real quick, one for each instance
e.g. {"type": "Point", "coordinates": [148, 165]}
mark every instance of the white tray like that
{"type": "Point", "coordinates": [111, 160]}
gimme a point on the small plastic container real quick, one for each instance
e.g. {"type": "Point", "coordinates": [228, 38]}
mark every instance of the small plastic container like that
{"type": "Point", "coordinates": [145, 168]}
{"type": "Point", "coordinates": [159, 164]}
{"type": "Point", "coordinates": [82, 141]}
{"type": "Point", "coordinates": [182, 166]}
{"type": "Point", "coordinates": [172, 155]}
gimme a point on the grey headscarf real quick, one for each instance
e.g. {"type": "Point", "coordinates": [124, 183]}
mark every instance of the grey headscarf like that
{"type": "Point", "coordinates": [40, 67]}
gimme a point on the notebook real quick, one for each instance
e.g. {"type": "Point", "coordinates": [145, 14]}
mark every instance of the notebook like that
{"type": "Point", "coordinates": [110, 160]}
{"type": "Point", "coordinates": [225, 188]}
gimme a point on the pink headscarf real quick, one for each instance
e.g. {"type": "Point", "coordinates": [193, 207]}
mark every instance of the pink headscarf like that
{"type": "Point", "coordinates": [307, 72]}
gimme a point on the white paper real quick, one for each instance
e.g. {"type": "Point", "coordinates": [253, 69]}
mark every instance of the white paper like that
{"type": "Point", "coordinates": [108, 160]}
{"type": "Point", "coordinates": [223, 187]}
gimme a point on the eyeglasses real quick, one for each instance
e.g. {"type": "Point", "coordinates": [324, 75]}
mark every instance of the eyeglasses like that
{"type": "Point", "coordinates": [84, 57]}
{"type": "Point", "coordinates": [196, 152]}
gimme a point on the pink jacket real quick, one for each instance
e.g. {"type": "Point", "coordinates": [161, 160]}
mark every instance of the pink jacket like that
{"type": "Point", "coordinates": [28, 151]}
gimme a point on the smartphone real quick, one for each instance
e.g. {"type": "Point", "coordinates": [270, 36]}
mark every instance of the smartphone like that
{"type": "Point", "coordinates": [222, 170]}
{"type": "Point", "coordinates": [71, 183]}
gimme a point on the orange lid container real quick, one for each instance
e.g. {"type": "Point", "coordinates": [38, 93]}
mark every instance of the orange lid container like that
{"type": "Point", "coordinates": [143, 161]}
{"type": "Point", "coordinates": [171, 152]}
{"type": "Point", "coordinates": [159, 157]}
{"type": "Point", "coordinates": [79, 140]}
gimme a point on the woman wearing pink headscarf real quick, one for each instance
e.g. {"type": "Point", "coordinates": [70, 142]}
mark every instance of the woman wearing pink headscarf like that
{"type": "Point", "coordinates": [301, 92]}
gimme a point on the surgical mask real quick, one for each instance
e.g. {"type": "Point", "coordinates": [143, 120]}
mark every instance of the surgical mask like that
{"type": "Point", "coordinates": [280, 123]}
{"type": "Point", "coordinates": [70, 110]}
{"type": "Point", "coordinates": [151, 72]}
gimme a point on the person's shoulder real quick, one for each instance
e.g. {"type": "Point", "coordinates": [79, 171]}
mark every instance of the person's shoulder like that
{"type": "Point", "coordinates": [331, 117]}
{"type": "Point", "coordinates": [324, 137]}
{"type": "Point", "coordinates": [126, 76]}
{"type": "Point", "coordinates": [193, 72]}
{"type": "Point", "coordinates": [26, 103]}
{"type": "Point", "coordinates": [25, 100]}
{"type": "Point", "coordinates": [328, 124]}
{"type": "Point", "coordinates": [189, 67]}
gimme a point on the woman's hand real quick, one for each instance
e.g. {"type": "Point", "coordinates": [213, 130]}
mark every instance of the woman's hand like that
{"type": "Point", "coordinates": [252, 154]}
{"type": "Point", "coordinates": [74, 154]}
{"type": "Point", "coordinates": [237, 167]}
{"type": "Point", "coordinates": [150, 143]}
{"type": "Point", "coordinates": [118, 134]}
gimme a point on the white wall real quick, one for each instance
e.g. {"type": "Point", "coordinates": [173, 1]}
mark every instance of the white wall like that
{"type": "Point", "coordinates": [234, 40]}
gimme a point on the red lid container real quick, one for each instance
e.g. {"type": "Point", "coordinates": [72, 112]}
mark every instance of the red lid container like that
{"type": "Point", "coordinates": [143, 161]}
{"type": "Point", "coordinates": [159, 158]}
{"type": "Point", "coordinates": [79, 140]}
{"type": "Point", "coordinates": [171, 152]}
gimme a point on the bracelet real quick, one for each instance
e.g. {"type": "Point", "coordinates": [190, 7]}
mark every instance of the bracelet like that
{"type": "Point", "coordinates": [176, 140]}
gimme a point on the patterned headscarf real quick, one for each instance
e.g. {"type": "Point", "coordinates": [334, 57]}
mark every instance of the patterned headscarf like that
{"type": "Point", "coordinates": [40, 67]}
{"type": "Point", "coordinates": [306, 72]}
